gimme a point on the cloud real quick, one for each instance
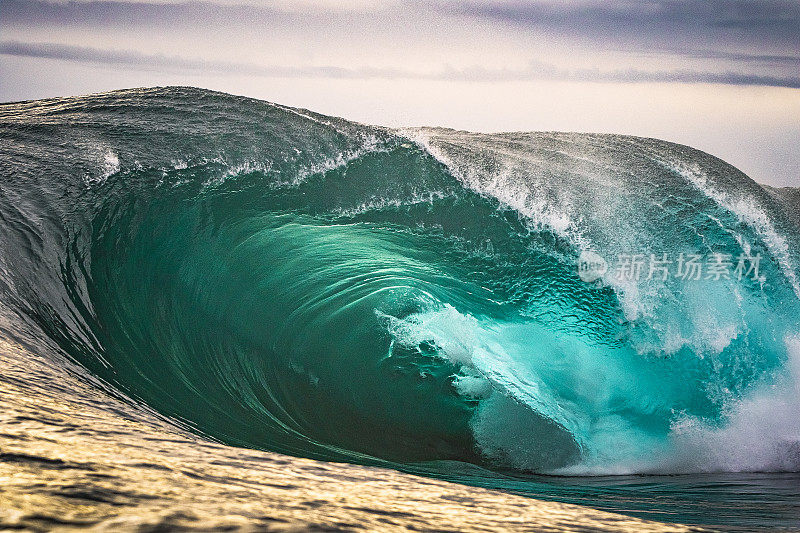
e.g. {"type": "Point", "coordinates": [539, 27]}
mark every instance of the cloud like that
{"type": "Point", "coordinates": [94, 14]}
{"type": "Point", "coordinates": [770, 24]}
{"type": "Point", "coordinates": [535, 71]}
{"type": "Point", "coordinates": [734, 42]}
{"type": "Point", "coordinates": [134, 59]}
{"type": "Point", "coordinates": [106, 12]}
{"type": "Point", "coordinates": [792, 60]}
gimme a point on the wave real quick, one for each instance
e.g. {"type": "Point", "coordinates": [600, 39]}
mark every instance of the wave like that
{"type": "Point", "coordinates": [276, 279]}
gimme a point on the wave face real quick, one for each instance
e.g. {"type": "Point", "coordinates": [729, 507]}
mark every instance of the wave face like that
{"type": "Point", "coordinates": [277, 279]}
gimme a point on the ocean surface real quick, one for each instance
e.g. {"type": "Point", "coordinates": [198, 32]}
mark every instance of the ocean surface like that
{"type": "Point", "coordinates": [601, 320]}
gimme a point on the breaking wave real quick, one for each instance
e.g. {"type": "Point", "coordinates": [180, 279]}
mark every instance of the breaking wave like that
{"type": "Point", "coordinates": [277, 279]}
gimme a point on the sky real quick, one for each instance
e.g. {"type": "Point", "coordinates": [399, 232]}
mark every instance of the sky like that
{"type": "Point", "coordinates": [719, 75]}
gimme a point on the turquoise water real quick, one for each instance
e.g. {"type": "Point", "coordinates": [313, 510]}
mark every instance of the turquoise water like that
{"type": "Point", "coordinates": [276, 279]}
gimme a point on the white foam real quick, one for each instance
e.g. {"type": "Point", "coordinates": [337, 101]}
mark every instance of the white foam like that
{"type": "Point", "coordinates": [748, 212]}
{"type": "Point", "coordinates": [762, 432]}
{"type": "Point", "coordinates": [369, 144]}
{"type": "Point", "coordinates": [106, 161]}
{"type": "Point", "coordinates": [503, 186]}
{"type": "Point", "coordinates": [246, 167]}
{"type": "Point", "coordinates": [378, 204]}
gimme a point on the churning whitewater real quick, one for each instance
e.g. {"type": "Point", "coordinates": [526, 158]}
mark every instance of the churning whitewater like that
{"type": "Point", "coordinates": [276, 279]}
